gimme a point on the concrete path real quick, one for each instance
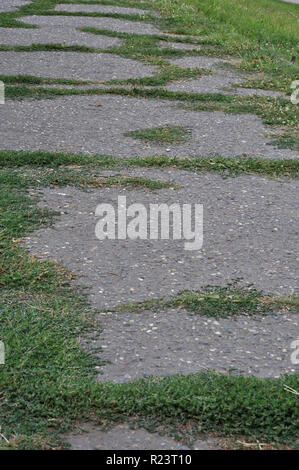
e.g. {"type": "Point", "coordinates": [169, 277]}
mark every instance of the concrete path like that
{"type": "Point", "coordinates": [250, 222]}
{"type": "Point", "coordinates": [12, 5]}
{"type": "Point", "coordinates": [46, 124]}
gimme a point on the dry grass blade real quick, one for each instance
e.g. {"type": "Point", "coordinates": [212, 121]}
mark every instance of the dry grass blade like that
{"type": "Point", "coordinates": [291, 390]}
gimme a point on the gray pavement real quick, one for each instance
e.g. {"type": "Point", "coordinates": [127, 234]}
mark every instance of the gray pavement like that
{"type": "Point", "coordinates": [58, 35]}
{"type": "Point", "coordinates": [12, 5]}
{"type": "Point", "coordinates": [250, 222]}
{"type": "Point", "coordinates": [78, 65]}
{"type": "Point", "coordinates": [78, 124]}
{"type": "Point", "coordinates": [112, 24]}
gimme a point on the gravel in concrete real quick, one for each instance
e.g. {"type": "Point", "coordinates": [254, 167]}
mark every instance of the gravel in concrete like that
{"type": "Point", "coordinates": [124, 437]}
{"type": "Point", "coordinates": [12, 5]}
{"type": "Point", "coordinates": [175, 342]}
{"type": "Point", "coordinates": [58, 35]}
{"type": "Point", "coordinates": [112, 24]}
{"type": "Point", "coordinates": [179, 45]}
{"type": "Point", "coordinates": [78, 124]}
{"type": "Point", "coordinates": [72, 65]}
{"type": "Point", "coordinates": [247, 221]}
{"type": "Point", "coordinates": [99, 9]}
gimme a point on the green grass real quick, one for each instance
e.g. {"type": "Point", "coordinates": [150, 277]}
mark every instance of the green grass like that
{"type": "Point", "coordinates": [285, 140]}
{"type": "Point", "coordinates": [167, 75]}
{"type": "Point", "coordinates": [162, 135]}
{"type": "Point", "coordinates": [83, 177]}
{"type": "Point", "coordinates": [228, 166]}
{"type": "Point", "coordinates": [263, 33]}
{"type": "Point", "coordinates": [218, 302]}
{"type": "Point", "coordinates": [144, 37]}
{"type": "Point", "coordinates": [32, 80]}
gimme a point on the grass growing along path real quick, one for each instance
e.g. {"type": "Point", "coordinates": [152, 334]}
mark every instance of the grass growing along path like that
{"type": "Point", "coordinates": [47, 383]}
{"type": "Point", "coordinates": [263, 33]}
{"type": "Point", "coordinates": [273, 111]}
{"type": "Point", "coordinates": [228, 166]}
{"type": "Point", "coordinates": [219, 302]}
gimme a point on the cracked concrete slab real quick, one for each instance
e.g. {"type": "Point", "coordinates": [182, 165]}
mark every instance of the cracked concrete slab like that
{"type": "Point", "coordinates": [78, 65]}
{"type": "Point", "coordinates": [99, 9]}
{"type": "Point", "coordinates": [58, 35]}
{"type": "Point", "coordinates": [247, 220]}
{"type": "Point", "coordinates": [112, 24]}
{"type": "Point", "coordinates": [78, 124]}
{"type": "Point", "coordinates": [125, 437]}
{"type": "Point", "coordinates": [174, 342]}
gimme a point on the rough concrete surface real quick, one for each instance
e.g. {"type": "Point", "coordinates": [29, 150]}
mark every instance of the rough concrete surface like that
{"type": "Point", "coordinates": [175, 342]}
{"type": "Point", "coordinates": [72, 65]}
{"type": "Point", "coordinates": [250, 224]}
{"type": "Point", "coordinates": [99, 9]}
{"type": "Point", "coordinates": [124, 437]}
{"type": "Point", "coordinates": [112, 24]}
{"type": "Point", "coordinates": [58, 35]}
{"type": "Point", "coordinates": [78, 124]}
{"type": "Point", "coordinates": [12, 5]}
{"type": "Point", "coordinates": [247, 221]}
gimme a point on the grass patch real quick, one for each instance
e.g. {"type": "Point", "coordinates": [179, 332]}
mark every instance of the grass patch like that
{"type": "Point", "coordinates": [82, 177]}
{"type": "Point", "coordinates": [228, 166]}
{"type": "Point", "coordinates": [217, 302]}
{"type": "Point", "coordinates": [288, 140]}
{"type": "Point", "coordinates": [32, 80]}
{"type": "Point", "coordinates": [167, 75]}
{"type": "Point", "coordinates": [50, 48]}
{"type": "Point", "coordinates": [162, 135]}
